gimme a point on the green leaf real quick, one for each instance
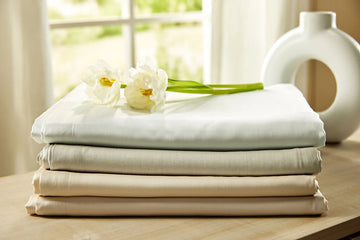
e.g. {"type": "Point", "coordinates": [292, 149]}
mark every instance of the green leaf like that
{"type": "Point", "coordinates": [186, 83]}
{"type": "Point", "coordinates": [239, 86]}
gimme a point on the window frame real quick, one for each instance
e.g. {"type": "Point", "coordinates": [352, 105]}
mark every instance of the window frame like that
{"type": "Point", "coordinates": [128, 20]}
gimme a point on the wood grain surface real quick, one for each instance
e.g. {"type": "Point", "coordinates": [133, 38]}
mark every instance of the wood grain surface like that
{"type": "Point", "coordinates": [339, 182]}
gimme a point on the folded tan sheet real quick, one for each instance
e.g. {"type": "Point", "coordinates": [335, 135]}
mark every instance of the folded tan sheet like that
{"type": "Point", "coordinates": [59, 183]}
{"type": "Point", "coordinates": [177, 162]}
{"type": "Point", "coordinates": [109, 206]}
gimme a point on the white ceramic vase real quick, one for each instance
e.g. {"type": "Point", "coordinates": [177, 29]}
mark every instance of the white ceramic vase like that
{"type": "Point", "coordinates": [318, 38]}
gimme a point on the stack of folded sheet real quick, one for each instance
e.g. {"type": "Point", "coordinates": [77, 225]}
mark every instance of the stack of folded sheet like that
{"type": "Point", "coordinates": [252, 153]}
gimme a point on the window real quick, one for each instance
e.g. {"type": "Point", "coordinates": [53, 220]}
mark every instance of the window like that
{"type": "Point", "coordinates": [123, 31]}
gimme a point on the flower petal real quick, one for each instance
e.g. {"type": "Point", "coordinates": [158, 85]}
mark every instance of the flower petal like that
{"type": "Point", "coordinates": [103, 83]}
{"type": "Point", "coordinates": [146, 87]}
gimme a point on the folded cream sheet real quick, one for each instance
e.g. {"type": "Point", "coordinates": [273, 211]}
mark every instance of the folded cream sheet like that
{"type": "Point", "coordinates": [59, 183]}
{"type": "Point", "coordinates": [110, 206]}
{"type": "Point", "coordinates": [274, 118]}
{"type": "Point", "coordinates": [175, 162]}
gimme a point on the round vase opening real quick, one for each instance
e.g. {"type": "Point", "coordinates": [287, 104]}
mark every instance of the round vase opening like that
{"type": "Point", "coordinates": [318, 83]}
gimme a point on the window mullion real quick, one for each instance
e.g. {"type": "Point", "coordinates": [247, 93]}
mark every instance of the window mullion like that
{"type": "Point", "coordinates": [106, 21]}
{"type": "Point", "coordinates": [129, 33]}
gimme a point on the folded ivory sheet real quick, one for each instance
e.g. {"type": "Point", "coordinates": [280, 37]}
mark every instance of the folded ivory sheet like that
{"type": "Point", "coordinates": [59, 183]}
{"type": "Point", "coordinates": [111, 206]}
{"type": "Point", "coordinates": [176, 162]}
{"type": "Point", "coordinates": [274, 118]}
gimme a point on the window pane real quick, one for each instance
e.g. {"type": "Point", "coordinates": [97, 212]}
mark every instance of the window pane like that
{"type": "Point", "coordinates": [74, 9]}
{"type": "Point", "coordinates": [177, 48]}
{"type": "Point", "coordinates": [148, 7]}
{"type": "Point", "coordinates": [74, 49]}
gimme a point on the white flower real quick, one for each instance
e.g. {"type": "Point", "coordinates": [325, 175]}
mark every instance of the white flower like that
{"type": "Point", "coordinates": [103, 83]}
{"type": "Point", "coordinates": [146, 88]}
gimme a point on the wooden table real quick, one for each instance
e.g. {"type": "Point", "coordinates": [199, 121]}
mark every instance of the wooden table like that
{"type": "Point", "coordinates": [339, 182]}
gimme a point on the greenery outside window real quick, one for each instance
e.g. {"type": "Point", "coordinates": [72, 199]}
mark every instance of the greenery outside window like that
{"type": "Point", "coordinates": [121, 32]}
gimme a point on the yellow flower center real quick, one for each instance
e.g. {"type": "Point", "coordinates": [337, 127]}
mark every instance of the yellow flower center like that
{"type": "Point", "coordinates": [146, 92]}
{"type": "Point", "coordinates": [106, 82]}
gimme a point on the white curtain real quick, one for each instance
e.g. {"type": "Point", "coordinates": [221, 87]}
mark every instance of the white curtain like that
{"type": "Point", "coordinates": [26, 85]}
{"type": "Point", "coordinates": [239, 33]}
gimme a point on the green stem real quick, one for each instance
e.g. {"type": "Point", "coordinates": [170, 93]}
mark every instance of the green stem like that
{"type": "Point", "coordinates": [199, 88]}
{"type": "Point", "coordinates": [211, 91]}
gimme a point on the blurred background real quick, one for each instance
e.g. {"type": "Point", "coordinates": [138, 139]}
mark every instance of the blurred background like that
{"type": "Point", "coordinates": [176, 46]}
{"type": "Point", "coordinates": [46, 44]}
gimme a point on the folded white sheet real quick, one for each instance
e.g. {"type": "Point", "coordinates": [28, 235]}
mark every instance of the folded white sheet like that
{"type": "Point", "coordinates": [176, 162]}
{"type": "Point", "coordinates": [59, 183]}
{"type": "Point", "coordinates": [109, 206]}
{"type": "Point", "coordinates": [274, 118]}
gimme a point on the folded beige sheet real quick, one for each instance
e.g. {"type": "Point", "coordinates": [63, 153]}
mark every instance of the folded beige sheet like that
{"type": "Point", "coordinates": [167, 162]}
{"type": "Point", "coordinates": [109, 206]}
{"type": "Point", "coordinates": [59, 183]}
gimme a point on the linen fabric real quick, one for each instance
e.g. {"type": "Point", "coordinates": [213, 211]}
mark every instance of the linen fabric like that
{"type": "Point", "coordinates": [274, 118]}
{"type": "Point", "coordinates": [26, 80]}
{"type": "Point", "coordinates": [261, 25]}
{"type": "Point", "coordinates": [176, 162]}
{"type": "Point", "coordinates": [59, 183]}
{"type": "Point", "coordinates": [110, 206]}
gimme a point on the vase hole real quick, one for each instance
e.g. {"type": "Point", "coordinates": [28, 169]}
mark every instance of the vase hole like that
{"type": "Point", "coordinates": [318, 84]}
